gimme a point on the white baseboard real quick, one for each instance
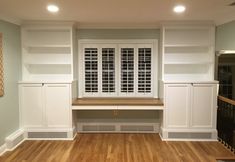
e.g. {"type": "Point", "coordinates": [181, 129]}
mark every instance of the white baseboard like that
{"type": "Point", "coordinates": [12, 141]}
{"type": "Point", "coordinates": [15, 139]}
{"type": "Point", "coordinates": [3, 149]}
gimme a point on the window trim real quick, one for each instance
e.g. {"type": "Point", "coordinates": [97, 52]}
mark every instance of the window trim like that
{"type": "Point", "coordinates": [118, 44]}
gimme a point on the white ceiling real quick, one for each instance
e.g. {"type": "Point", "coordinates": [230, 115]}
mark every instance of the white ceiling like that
{"type": "Point", "coordinates": [117, 11]}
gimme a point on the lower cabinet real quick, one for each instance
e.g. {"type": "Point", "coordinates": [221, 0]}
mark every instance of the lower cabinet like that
{"type": "Point", "coordinates": [177, 103]}
{"type": "Point", "coordinates": [31, 105]}
{"type": "Point", "coordinates": [190, 111]}
{"type": "Point", "coordinates": [46, 108]}
{"type": "Point", "coordinates": [204, 105]}
{"type": "Point", "coordinates": [57, 105]}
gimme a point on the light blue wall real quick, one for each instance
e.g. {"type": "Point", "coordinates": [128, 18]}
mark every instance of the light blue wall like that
{"type": "Point", "coordinates": [118, 34]}
{"type": "Point", "coordinates": [225, 36]}
{"type": "Point", "coordinates": [9, 111]}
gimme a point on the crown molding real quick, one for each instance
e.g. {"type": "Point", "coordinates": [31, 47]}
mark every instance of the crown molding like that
{"type": "Point", "coordinates": [9, 19]}
{"type": "Point", "coordinates": [118, 26]}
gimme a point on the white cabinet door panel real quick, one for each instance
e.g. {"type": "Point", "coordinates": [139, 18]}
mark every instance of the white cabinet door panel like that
{"type": "Point", "coordinates": [57, 105]}
{"type": "Point", "coordinates": [31, 105]}
{"type": "Point", "coordinates": [177, 105]}
{"type": "Point", "coordinates": [203, 105]}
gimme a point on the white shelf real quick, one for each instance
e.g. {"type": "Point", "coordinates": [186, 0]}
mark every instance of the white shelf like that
{"type": "Point", "coordinates": [48, 49]}
{"type": "Point", "coordinates": [185, 45]}
{"type": "Point", "coordinates": [48, 46]}
{"type": "Point", "coordinates": [48, 52]}
{"type": "Point", "coordinates": [188, 53]}
{"type": "Point", "coordinates": [47, 59]}
{"type": "Point", "coordinates": [44, 81]}
{"type": "Point", "coordinates": [188, 63]}
{"type": "Point", "coordinates": [47, 63]}
{"type": "Point", "coordinates": [191, 81]}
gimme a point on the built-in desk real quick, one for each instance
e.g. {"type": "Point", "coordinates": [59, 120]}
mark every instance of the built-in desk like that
{"type": "Point", "coordinates": [115, 122]}
{"type": "Point", "coordinates": [117, 104]}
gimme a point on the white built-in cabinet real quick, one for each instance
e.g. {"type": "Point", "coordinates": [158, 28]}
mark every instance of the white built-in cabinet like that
{"type": "Point", "coordinates": [31, 104]}
{"type": "Point", "coordinates": [190, 105]}
{"type": "Point", "coordinates": [177, 102]}
{"type": "Point", "coordinates": [188, 85]}
{"type": "Point", "coordinates": [186, 80]}
{"type": "Point", "coordinates": [45, 105]}
{"type": "Point", "coordinates": [49, 71]}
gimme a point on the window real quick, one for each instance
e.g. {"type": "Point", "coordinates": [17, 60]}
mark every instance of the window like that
{"type": "Point", "coordinates": [91, 70]}
{"type": "Point", "coordinates": [144, 70]}
{"type": "Point", "coordinates": [108, 70]}
{"type": "Point", "coordinates": [117, 69]}
{"type": "Point", "coordinates": [127, 70]}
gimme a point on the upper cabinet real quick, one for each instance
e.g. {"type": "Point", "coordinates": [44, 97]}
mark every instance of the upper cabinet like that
{"type": "Point", "coordinates": [49, 52]}
{"type": "Point", "coordinates": [187, 52]}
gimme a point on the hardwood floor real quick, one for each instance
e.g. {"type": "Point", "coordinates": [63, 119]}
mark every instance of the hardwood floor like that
{"type": "Point", "coordinates": [117, 148]}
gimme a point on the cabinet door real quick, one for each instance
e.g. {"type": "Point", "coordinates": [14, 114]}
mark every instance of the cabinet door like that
{"type": "Point", "coordinates": [57, 105]}
{"type": "Point", "coordinates": [177, 100]}
{"type": "Point", "coordinates": [203, 105]}
{"type": "Point", "coordinates": [31, 105]}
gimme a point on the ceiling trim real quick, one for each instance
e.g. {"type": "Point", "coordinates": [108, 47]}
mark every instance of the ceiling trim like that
{"type": "Point", "coordinates": [10, 19]}
{"type": "Point", "coordinates": [118, 25]}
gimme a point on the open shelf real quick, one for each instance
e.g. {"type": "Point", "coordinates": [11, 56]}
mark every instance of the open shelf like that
{"type": "Point", "coordinates": [48, 51]}
{"type": "Point", "coordinates": [47, 59]}
{"type": "Point", "coordinates": [188, 63]}
{"type": "Point", "coordinates": [186, 72]}
{"type": "Point", "coordinates": [48, 37]}
{"type": "Point", "coordinates": [187, 36]}
{"type": "Point", "coordinates": [49, 68]}
{"type": "Point", "coordinates": [186, 49]}
{"type": "Point", "coordinates": [188, 53]}
{"type": "Point", "coordinates": [186, 46]}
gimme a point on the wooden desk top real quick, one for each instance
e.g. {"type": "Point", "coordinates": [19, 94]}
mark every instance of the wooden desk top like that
{"type": "Point", "coordinates": [117, 102]}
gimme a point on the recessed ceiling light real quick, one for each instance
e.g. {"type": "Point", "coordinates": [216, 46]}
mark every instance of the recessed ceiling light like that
{"type": "Point", "coordinates": [179, 8]}
{"type": "Point", "coordinates": [53, 8]}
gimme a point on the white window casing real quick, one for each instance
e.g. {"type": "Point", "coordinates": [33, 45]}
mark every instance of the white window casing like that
{"type": "Point", "coordinates": [125, 68]}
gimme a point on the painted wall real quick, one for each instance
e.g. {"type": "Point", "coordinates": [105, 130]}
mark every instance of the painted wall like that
{"type": "Point", "coordinates": [118, 34]}
{"type": "Point", "coordinates": [225, 36]}
{"type": "Point", "coordinates": [9, 111]}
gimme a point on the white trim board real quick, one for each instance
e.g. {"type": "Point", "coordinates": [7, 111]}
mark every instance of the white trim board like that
{"type": "Point", "coordinates": [3, 149]}
{"type": "Point", "coordinates": [12, 141]}
{"type": "Point", "coordinates": [117, 44]}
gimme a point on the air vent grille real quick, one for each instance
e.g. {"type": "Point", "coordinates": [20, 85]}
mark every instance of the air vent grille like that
{"type": "Point", "coordinates": [47, 134]}
{"type": "Point", "coordinates": [138, 128]}
{"type": "Point", "coordinates": [187, 135]}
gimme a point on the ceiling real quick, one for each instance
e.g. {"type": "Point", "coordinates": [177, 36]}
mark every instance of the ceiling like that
{"type": "Point", "coordinates": [117, 11]}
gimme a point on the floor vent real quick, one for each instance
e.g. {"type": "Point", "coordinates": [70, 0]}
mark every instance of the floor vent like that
{"type": "Point", "coordinates": [102, 128]}
{"type": "Point", "coordinates": [47, 134]}
{"type": "Point", "coordinates": [187, 135]}
{"type": "Point", "coordinates": [138, 128]}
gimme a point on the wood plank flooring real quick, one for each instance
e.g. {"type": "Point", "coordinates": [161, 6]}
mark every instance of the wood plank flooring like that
{"type": "Point", "coordinates": [117, 148]}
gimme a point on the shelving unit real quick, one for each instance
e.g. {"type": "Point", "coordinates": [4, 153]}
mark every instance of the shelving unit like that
{"type": "Point", "coordinates": [187, 53]}
{"type": "Point", "coordinates": [188, 87]}
{"type": "Point", "coordinates": [48, 51]}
